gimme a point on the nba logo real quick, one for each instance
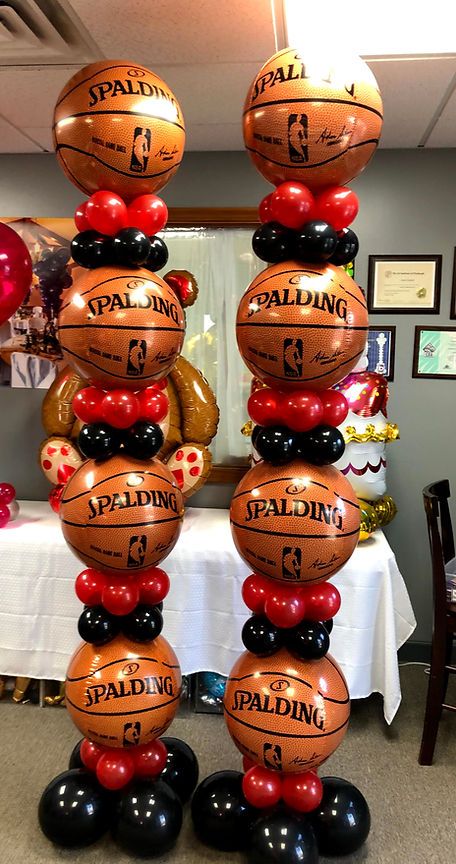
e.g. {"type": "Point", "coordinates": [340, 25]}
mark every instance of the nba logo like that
{"type": "Point", "coordinates": [131, 734]}
{"type": "Point", "coordinates": [137, 351]}
{"type": "Point", "coordinates": [272, 756]}
{"type": "Point", "coordinates": [297, 138]}
{"type": "Point", "coordinates": [292, 357]}
{"type": "Point", "coordinates": [140, 150]}
{"type": "Point", "coordinates": [137, 550]}
{"type": "Point", "coordinates": [291, 562]}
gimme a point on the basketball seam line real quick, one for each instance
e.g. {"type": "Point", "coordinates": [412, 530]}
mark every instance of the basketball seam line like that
{"type": "Point", "coordinates": [131, 275]}
{"type": "Point", "coordinates": [131, 176]}
{"type": "Point", "coordinates": [362, 302]}
{"type": "Point", "coordinates": [125, 660]}
{"type": "Point", "coordinates": [97, 525]}
{"type": "Point", "coordinates": [266, 483]}
{"type": "Point", "coordinates": [102, 368]}
{"type": "Point", "coordinates": [105, 69]}
{"type": "Point", "coordinates": [298, 269]}
{"type": "Point", "coordinates": [299, 166]}
{"type": "Point", "coordinates": [121, 327]}
{"type": "Point", "coordinates": [302, 378]}
{"type": "Point", "coordinates": [312, 100]}
{"type": "Point", "coordinates": [119, 474]}
{"type": "Point", "coordinates": [282, 734]}
{"type": "Point", "coordinates": [121, 713]}
{"type": "Point", "coordinates": [300, 680]}
{"type": "Point", "coordinates": [289, 534]}
{"type": "Point", "coordinates": [121, 111]}
{"type": "Point", "coordinates": [269, 324]}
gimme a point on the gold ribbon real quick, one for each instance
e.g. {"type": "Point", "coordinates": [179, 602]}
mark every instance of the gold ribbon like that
{"type": "Point", "coordinates": [389, 433]}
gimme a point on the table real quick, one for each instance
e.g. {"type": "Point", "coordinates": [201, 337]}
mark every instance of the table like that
{"type": "Point", "coordinates": [204, 611]}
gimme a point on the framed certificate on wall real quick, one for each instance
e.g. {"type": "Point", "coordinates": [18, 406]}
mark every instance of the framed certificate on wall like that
{"type": "Point", "coordinates": [434, 354]}
{"type": "Point", "coordinates": [404, 284]}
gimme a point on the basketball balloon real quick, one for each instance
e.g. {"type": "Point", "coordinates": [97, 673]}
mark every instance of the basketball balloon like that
{"type": "Point", "coordinates": [286, 714]}
{"type": "Point", "coordinates": [118, 126]}
{"type": "Point", "coordinates": [122, 694]}
{"type": "Point", "coordinates": [121, 515]}
{"type": "Point", "coordinates": [312, 119]}
{"type": "Point", "coordinates": [121, 327]}
{"type": "Point", "coordinates": [302, 325]}
{"type": "Point", "coordinates": [297, 523]}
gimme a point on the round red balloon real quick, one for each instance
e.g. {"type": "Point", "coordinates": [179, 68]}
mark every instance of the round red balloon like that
{"type": "Point", "coordinates": [90, 754]}
{"type": "Point", "coordinates": [120, 408]}
{"type": "Point", "coordinates": [89, 586]}
{"type": "Point", "coordinates": [120, 598]}
{"type": "Point", "coordinates": [15, 272]}
{"type": "Point", "coordinates": [106, 212]}
{"type": "Point", "coordinates": [87, 404]}
{"type": "Point", "coordinates": [302, 792]}
{"type": "Point", "coordinates": [153, 586]}
{"type": "Point", "coordinates": [264, 209]}
{"type": "Point", "coordinates": [150, 760]}
{"type": "Point", "coordinates": [263, 406]}
{"type": "Point", "coordinates": [4, 515]}
{"type": "Point", "coordinates": [148, 213]}
{"type": "Point", "coordinates": [285, 607]}
{"type": "Point", "coordinates": [80, 217]}
{"type": "Point", "coordinates": [338, 206]}
{"type": "Point", "coordinates": [322, 601]}
{"type": "Point", "coordinates": [292, 204]}
{"type": "Point", "coordinates": [301, 410]}
{"type": "Point", "coordinates": [254, 592]}
{"type": "Point", "coordinates": [262, 787]}
{"type": "Point", "coordinates": [153, 404]}
{"type": "Point", "coordinates": [7, 493]}
{"type": "Point", "coordinates": [114, 770]}
{"type": "Point", "coordinates": [335, 407]}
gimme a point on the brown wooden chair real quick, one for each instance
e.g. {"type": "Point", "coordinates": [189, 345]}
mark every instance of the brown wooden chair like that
{"type": "Point", "coordinates": [441, 543]}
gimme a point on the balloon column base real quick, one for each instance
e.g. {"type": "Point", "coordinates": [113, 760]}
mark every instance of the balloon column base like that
{"type": "Point", "coordinates": [224, 820]}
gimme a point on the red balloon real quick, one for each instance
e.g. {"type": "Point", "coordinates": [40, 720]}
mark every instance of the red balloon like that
{"type": "Point", "coordinates": [153, 404]}
{"type": "Point", "coordinates": [106, 212]}
{"type": "Point", "coordinates": [80, 217]}
{"type": "Point", "coordinates": [302, 792]}
{"type": "Point", "coordinates": [120, 598]}
{"type": "Point", "coordinates": [4, 515]}
{"type": "Point", "coordinates": [115, 769]}
{"type": "Point", "coordinates": [301, 410]}
{"type": "Point", "coordinates": [149, 760]}
{"type": "Point", "coordinates": [247, 763]}
{"type": "Point", "coordinates": [90, 754]}
{"type": "Point", "coordinates": [322, 601]}
{"type": "Point", "coordinates": [338, 206]}
{"type": "Point", "coordinates": [7, 493]}
{"type": "Point", "coordinates": [285, 606]}
{"type": "Point", "coordinates": [55, 496]}
{"type": "Point", "coordinates": [335, 407]}
{"type": "Point", "coordinates": [254, 592]}
{"type": "Point", "coordinates": [15, 272]}
{"type": "Point", "coordinates": [87, 404]}
{"type": "Point", "coordinates": [262, 787]}
{"type": "Point", "coordinates": [120, 408]}
{"type": "Point", "coordinates": [292, 204]}
{"type": "Point", "coordinates": [264, 209]}
{"type": "Point", "coordinates": [263, 406]}
{"type": "Point", "coordinates": [153, 586]}
{"type": "Point", "coordinates": [89, 586]}
{"type": "Point", "coordinates": [148, 213]}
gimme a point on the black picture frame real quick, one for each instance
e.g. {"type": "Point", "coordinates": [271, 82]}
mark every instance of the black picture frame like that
{"type": "Point", "coordinates": [373, 366]}
{"type": "Point", "coordinates": [453, 290]}
{"type": "Point", "coordinates": [432, 309]}
{"type": "Point", "coordinates": [416, 373]}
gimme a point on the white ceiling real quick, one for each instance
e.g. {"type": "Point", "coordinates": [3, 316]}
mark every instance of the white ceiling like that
{"type": "Point", "coordinates": [208, 51]}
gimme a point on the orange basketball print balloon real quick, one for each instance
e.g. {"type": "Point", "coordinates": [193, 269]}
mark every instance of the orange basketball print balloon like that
{"type": "Point", "coordinates": [121, 327]}
{"type": "Point", "coordinates": [296, 523]}
{"type": "Point", "coordinates": [284, 713]}
{"type": "Point", "coordinates": [313, 119]}
{"type": "Point", "coordinates": [122, 694]}
{"type": "Point", "coordinates": [302, 325]}
{"type": "Point", "coordinates": [122, 515]}
{"type": "Point", "coordinates": [118, 126]}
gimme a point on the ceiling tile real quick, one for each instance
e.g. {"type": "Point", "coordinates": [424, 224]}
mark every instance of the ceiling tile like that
{"type": "Point", "coordinates": [29, 95]}
{"type": "Point", "coordinates": [444, 131]}
{"type": "Point", "coordinates": [12, 141]}
{"type": "Point", "coordinates": [210, 93]}
{"type": "Point", "coordinates": [41, 134]}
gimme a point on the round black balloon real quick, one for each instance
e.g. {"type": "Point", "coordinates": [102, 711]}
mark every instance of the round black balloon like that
{"type": "Point", "coordinates": [99, 441]}
{"type": "Point", "coordinates": [90, 249]}
{"type": "Point", "coordinates": [181, 769]}
{"type": "Point", "coordinates": [282, 838]}
{"type": "Point", "coordinates": [346, 249]}
{"type": "Point", "coordinates": [97, 626]}
{"type": "Point", "coordinates": [222, 818]}
{"type": "Point", "coordinates": [74, 810]}
{"type": "Point", "coordinates": [75, 760]}
{"type": "Point", "coordinates": [272, 242]}
{"type": "Point", "coordinates": [323, 445]}
{"type": "Point", "coordinates": [342, 820]}
{"type": "Point", "coordinates": [276, 444]}
{"type": "Point", "coordinates": [148, 819]}
{"type": "Point", "coordinates": [309, 641]}
{"type": "Point", "coordinates": [329, 624]}
{"type": "Point", "coordinates": [143, 440]}
{"type": "Point", "coordinates": [315, 241]}
{"type": "Point", "coordinates": [143, 624]}
{"type": "Point", "coordinates": [158, 255]}
{"type": "Point", "coordinates": [130, 247]}
{"type": "Point", "coordinates": [261, 637]}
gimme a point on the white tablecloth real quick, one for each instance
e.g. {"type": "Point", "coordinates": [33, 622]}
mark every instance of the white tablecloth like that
{"type": "Point", "coordinates": [204, 609]}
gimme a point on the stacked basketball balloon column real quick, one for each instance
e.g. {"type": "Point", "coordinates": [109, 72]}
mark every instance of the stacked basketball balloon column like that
{"type": "Point", "coordinates": [301, 327]}
{"type": "Point", "coordinates": [121, 328]}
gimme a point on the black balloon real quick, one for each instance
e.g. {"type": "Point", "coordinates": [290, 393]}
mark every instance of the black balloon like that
{"type": "Point", "coordinates": [143, 624]}
{"type": "Point", "coordinates": [74, 810]}
{"type": "Point", "coordinates": [90, 249]}
{"type": "Point", "coordinates": [143, 440]}
{"type": "Point", "coordinates": [272, 242]}
{"type": "Point", "coordinates": [329, 624]}
{"type": "Point", "coordinates": [130, 247]}
{"type": "Point", "coordinates": [282, 838]}
{"type": "Point", "coordinates": [75, 760]}
{"type": "Point", "coordinates": [346, 249]}
{"type": "Point", "coordinates": [342, 821]}
{"type": "Point", "coordinates": [148, 819]}
{"type": "Point", "coordinates": [276, 444]}
{"type": "Point", "coordinates": [97, 626]}
{"type": "Point", "coordinates": [99, 441]}
{"type": "Point", "coordinates": [158, 255]}
{"type": "Point", "coordinates": [315, 241]}
{"type": "Point", "coordinates": [181, 769]}
{"type": "Point", "coordinates": [323, 445]}
{"type": "Point", "coordinates": [222, 818]}
{"type": "Point", "coordinates": [310, 640]}
{"type": "Point", "coordinates": [261, 637]}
